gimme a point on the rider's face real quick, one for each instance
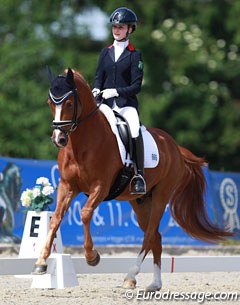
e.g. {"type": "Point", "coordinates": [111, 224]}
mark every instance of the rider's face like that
{"type": "Point", "coordinates": [120, 31]}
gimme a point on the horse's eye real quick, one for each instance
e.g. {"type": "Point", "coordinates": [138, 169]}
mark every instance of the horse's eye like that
{"type": "Point", "coordinates": [69, 104]}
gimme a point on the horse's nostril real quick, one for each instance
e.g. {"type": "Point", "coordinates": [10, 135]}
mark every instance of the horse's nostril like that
{"type": "Point", "coordinates": [62, 140]}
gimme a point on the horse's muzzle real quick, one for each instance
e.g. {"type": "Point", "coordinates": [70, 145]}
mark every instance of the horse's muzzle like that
{"type": "Point", "coordinates": [60, 139]}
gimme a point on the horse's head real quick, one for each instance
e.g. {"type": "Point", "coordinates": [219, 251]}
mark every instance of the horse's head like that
{"type": "Point", "coordinates": [63, 100]}
{"type": "Point", "coordinates": [72, 102]}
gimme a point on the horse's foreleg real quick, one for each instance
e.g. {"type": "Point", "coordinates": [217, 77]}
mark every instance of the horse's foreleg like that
{"type": "Point", "coordinates": [92, 256]}
{"type": "Point", "coordinates": [64, 198]}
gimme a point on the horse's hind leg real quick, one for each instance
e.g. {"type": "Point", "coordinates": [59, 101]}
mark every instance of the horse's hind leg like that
{"type": "Point", "coordinates": [154, 244]}
{"type": "Point", "coordinates": [152, 238]}
{"type": "Point", "coordinates": [130, 279]}
{"type": "Point", "coordinates": [143, 213]}
{"type": "Point", "coordinates": [149, 218]}
{"type": "Point", "coordinates": [157, 252]}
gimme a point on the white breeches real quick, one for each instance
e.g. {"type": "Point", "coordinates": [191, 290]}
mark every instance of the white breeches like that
{"type": "Point", "coordinates": [131, 115]}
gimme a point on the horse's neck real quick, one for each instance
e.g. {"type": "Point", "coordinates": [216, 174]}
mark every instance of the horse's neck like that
{"type": "Point", "coordinates": [97, 126]}
{"type": "Point", "coordinates": [90, 135]}
{"type": "Point", "coordinates": [85, 97]}
{"type": "Point", "coordinates": [94, 128]}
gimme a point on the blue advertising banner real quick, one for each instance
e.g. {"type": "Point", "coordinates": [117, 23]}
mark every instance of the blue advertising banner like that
{"type": "Point", "coordinates": [113, 222]}
{"type": "Point", "coordinates": [225, 193]}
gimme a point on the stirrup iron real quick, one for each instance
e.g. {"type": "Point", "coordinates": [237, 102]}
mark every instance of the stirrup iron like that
{"type": "Point", "coordinates": [137, 185]}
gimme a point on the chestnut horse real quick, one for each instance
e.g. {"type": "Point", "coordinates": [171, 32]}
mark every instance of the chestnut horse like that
{"type": "Point", "coordinates": [89, 162]}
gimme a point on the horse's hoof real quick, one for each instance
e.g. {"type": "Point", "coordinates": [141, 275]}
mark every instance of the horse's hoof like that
{"type": "Point", "coordinates": [39, 269]}
{"type": "Point", "coordinates": [153, 287]}
{"type": "Point", "coordinates": [94, 262]}
{"type": "Point", "coordinates": [129, 284]}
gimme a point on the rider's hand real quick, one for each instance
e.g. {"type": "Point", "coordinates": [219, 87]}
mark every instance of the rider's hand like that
{"type": "Point", "coordinates": [109, 93]}
{"type": "Point", "coordinates": [95, 92]}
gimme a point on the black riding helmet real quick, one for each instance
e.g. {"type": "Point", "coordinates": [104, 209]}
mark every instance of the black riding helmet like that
{"type": "Point", "coordinates": [124, 15]}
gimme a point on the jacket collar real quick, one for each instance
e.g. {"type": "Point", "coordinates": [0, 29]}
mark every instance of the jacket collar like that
{"type": "Point", "coordinates": [125, 53]}
{"type": "Point", "coordinates": [130, 47]}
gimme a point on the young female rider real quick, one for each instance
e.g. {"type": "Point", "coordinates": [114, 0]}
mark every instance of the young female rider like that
{"type": "Point", "coordinates": [119, 78]}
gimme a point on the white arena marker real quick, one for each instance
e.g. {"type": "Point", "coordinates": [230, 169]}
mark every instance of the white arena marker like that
{"type": "Point", "coordinates": [61, 274]}
{"type": "Point", "coordinates": [35, 234]}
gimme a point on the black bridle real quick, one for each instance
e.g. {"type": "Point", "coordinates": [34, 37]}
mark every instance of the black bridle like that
{"type": "Point", "coordinates": [75, 121]}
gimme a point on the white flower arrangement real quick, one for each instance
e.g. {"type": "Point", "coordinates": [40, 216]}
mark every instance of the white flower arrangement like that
{"type": "Point", "coordinates": [38, 198]}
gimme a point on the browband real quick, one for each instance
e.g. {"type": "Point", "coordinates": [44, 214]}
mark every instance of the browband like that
{"type": "Point", "coordinates": [59, 100]}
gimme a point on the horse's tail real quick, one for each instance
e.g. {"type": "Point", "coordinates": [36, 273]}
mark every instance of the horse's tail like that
{"type": "Point", "coordinates": [187, 204]}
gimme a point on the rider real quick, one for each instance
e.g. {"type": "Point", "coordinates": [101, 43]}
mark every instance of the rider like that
{"type": "Point", "coordinates": [119, 78]}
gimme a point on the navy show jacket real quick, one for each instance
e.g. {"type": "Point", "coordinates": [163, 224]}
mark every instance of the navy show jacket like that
{"type": "Point", "coordinates": [125, 75]}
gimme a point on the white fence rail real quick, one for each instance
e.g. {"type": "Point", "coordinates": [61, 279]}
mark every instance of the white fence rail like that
{"type": "Point", "coordinates": [62, 268]}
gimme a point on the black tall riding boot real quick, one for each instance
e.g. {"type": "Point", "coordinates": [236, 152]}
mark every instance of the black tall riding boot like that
{"type": "Point", "coordinates": [138, 184]}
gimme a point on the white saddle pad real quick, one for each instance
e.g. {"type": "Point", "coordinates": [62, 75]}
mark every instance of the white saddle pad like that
{"type": "Point", "coordinates": [151, 154]}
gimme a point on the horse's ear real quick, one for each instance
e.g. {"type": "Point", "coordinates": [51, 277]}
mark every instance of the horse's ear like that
{"type": "Point", "coordinates": [70, 77]}
{"type": "Point", "coordinates": [50, 74]}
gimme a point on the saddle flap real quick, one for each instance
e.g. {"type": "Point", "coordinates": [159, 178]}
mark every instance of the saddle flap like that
{"type": "Point", "coordinates": [124, 132]}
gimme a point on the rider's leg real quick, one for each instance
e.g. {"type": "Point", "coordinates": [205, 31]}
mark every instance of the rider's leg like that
{"type": "Point", "coordinates": [138, 185]}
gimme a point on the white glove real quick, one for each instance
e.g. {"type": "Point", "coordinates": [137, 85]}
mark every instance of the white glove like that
{"type": "Point", "coordinates": [109, 93]}
{"type": "Point", "coordinates": [95, 92]}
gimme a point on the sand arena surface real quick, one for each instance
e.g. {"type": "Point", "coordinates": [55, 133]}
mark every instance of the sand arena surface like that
{"type": "Point", "coordinates": [106, 288]}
